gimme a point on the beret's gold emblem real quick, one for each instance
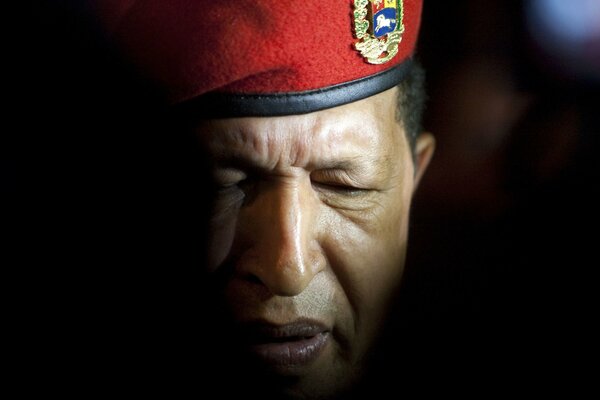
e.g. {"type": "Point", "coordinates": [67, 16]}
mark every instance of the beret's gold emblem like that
{"type": "Point", "coordinates": [379, 25]}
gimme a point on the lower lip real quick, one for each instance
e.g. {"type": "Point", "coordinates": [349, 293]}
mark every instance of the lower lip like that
{"type": "Point", "coordinates": [293, 353]}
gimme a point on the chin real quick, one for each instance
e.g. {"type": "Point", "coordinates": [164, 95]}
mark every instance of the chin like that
{"type": "Point", "coordinates": [327, 376]}
{"type": "Point", "coordinates": [328, 384]}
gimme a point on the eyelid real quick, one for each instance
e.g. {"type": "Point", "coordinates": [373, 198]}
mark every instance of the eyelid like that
{"type": "Point", "coordinates": [228, 176]}
{"type": "Point", "coordinates": [336, 177]}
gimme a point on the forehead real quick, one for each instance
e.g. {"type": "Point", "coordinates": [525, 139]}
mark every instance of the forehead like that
{"type": "Point", "coordinates": [366, 129]}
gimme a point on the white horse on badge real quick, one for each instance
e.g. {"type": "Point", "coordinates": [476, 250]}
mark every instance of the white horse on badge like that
{"type": "Point", "coordinates": [383, 22]}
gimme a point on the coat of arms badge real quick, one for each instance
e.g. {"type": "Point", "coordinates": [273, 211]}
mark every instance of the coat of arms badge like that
{"type": "Point", "coordinates": [379, 26]}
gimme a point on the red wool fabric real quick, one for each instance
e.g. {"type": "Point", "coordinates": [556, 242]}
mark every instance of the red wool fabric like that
{"type": "Point", "coordinates": [245, 46]}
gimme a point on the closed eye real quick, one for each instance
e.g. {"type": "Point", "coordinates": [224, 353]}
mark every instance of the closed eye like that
{"type": "Point", "coordinates": [337, 181]}
{"type": "Point", "coordinates": [339, 188]}
{"type": "Point", "coordinates": [241, 192]}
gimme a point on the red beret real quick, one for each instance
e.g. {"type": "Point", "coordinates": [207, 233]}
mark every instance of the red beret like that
{"type": "Point", "coordinates": [266, 57]}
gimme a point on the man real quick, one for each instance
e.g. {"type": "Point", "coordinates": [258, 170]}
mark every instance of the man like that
{"type": "Point", "coordinates": [309, 118]}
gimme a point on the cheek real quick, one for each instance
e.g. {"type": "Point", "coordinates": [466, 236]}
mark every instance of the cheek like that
{"type": "Point", "coordinates": [368, 264]}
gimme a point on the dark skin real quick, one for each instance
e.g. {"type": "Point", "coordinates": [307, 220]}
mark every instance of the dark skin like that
{"type": "Point", "coordinates": [312, 216]}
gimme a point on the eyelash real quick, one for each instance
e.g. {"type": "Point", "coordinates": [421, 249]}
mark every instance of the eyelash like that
{"type": "Point", "coordinates": [338, 182]}
{"type": "Point", "coordinates": [337, 188]}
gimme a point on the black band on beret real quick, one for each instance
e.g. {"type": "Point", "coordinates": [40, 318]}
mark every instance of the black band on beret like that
{"type": "Point", "coordinates": [226, 105]}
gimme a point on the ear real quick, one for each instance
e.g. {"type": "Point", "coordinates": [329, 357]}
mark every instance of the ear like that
{"type": "Point", "coordinates": [424, 149]}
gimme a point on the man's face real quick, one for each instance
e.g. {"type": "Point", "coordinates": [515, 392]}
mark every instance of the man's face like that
{"type": "Point", "coordinates": [310, 229]}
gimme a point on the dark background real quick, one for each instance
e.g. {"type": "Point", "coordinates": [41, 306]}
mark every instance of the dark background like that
{"type": "Point", "coordinates": [107, 201]}
{"type": "Point", "coordinates": [499, 292]}
{"type": "Point", "coordinates": [106, 191]}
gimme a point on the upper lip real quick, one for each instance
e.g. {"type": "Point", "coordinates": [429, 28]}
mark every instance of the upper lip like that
{"type": "Point", "coordinates": [257, 332]}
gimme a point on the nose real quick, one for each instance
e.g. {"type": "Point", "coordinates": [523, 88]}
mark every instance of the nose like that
{"type": "Point", "coordinates": [286, 255]}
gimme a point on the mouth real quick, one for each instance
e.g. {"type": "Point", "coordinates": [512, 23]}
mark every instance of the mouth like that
{"type": "Point", "coordinates": [292, 345]}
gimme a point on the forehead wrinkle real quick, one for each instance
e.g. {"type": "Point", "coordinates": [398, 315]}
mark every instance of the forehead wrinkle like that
{"type": "Point", "coordinates": [358, 149]}
{"type": "Point", "coordinates": [268, 143]}
{"type": "Point", "coordinates": [341, 141]}
{"type": "Point", "coordinates": [308, 140]}
{"type": "Point", "coordinates": [232, 141]}
{"type": "Point", "coordinates": [295, 141]}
